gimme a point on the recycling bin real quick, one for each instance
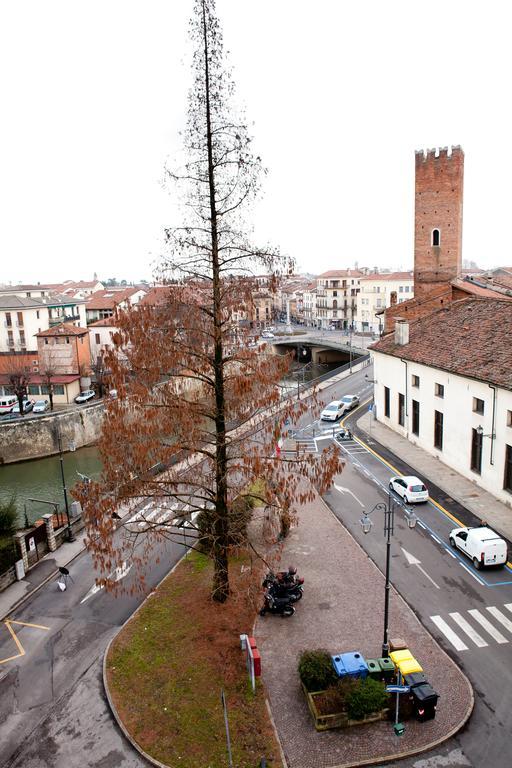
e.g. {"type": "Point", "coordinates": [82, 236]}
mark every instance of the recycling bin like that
{"type": "Point", "coordinates": [408, 666]}
{"type": "Point", "coordinates": [397, 644]}
{"type": "Point", "coordinates": [398, 656]}
{"type": "Point", "coordinates": [355, 664]}
{"type": "Point", "coordinates": [374, 670]}
{"type": "Point", "coordinates": [424, 701]}
{"type": "Point", "coordinates": [387, 668]}
{"type": "Point", "coordinates": [338, 665]}
{"type": "Point", "coordinates": [414, 678]}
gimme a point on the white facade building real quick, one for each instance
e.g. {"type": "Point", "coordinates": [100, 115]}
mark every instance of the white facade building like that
{"type": "Point", "coordinates": [376, 294]}
{"type": "Point", "coordinates": [336, 298]}
{"type": "Point", "coordinates": [445, 383]}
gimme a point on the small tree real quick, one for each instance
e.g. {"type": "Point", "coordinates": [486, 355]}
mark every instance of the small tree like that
{"type": "Point", "coordinates": [19, 373]}
{"type": "Point", "coordinates": [47, 375]}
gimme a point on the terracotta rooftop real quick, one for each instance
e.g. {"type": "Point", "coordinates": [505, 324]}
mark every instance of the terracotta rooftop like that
{"type": "Point", "coordinates": [389, 276]}
{"type": "Point", "coordinates": [109, 298]}
{"type": "Point", "coordinates": [64, 329]}
{"type": "Point", "coordinates": [105, 322]}
{"type": "Point", "coordinates": [157, 295]}
{"type": "Point", "coordinates": [341, 273]}
{"type": "Point", "coordinates": [475, 335]}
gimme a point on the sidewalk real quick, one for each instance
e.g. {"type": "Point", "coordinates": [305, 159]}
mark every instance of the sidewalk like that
{"type": "Point", "coordinates": [342, 610]}
{"type": "Point", "coordinates": [46, 569]}
{"type": "Point", "coordinates": [478, 501]}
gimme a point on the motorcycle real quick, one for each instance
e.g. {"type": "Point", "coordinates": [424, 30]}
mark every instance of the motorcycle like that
{"type": "Point", "coordinates": [275, 604]}
{"type": "Point", "coordinates": [285, 584]}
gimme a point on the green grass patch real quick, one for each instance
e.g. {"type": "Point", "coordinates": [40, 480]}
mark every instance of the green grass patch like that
{"type": "Point", "coordinates": [167, 667]}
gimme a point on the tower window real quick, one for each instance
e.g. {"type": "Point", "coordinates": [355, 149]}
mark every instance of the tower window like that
{"type": "Point", "coordinates": [436, 237]}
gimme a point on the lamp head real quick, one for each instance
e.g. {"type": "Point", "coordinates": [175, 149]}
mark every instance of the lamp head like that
{"type": "Point", "coordinates": [480, 430]}
{"type": "Point", "coordinates": [366, 523]}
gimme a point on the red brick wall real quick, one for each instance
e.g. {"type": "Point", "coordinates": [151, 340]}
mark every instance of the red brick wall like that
{"type": "Point", "coordinates": [438, 205]}
{"type": "Point", "coordinates": [439, 296]}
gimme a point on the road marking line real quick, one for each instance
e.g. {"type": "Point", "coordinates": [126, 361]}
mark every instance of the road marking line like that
{"type": "Point", "coordinates": [471, 573]}
{"type": "Point", "coordinates": [499, 616]}
{"type": "Point", "coordinates": [450, 635]}
{"type": "Point", "coordinates": [451, 553]}
{"type": "Point", "coordinates": [486, 624]}
{"type": "Point", "coordinates": [422, 525]}
{"type": "Point", "coordinates": [14, 636]}
{"type": "Point", "coordinates": [395, 471]}
{"type": "Point", "coordinates": [508, 606]}
{"type": "Point", "coordinates": [436, 539]}
{"type": "Point", "coordinates": [468, 629]}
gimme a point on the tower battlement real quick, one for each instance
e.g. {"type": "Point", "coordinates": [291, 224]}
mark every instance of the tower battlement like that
{"type": "Point", "coordinates": [439, 153]}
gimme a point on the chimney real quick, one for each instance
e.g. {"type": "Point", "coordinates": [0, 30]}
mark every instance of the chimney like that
{"type": "Point", "coordinates": [392, 299]}
{"type": "Point", "coordinates": [401, 332]}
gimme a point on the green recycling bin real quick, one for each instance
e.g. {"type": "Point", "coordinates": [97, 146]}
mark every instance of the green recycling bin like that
{"type": "Point", "coordinates": [387, 668]}
{"type": "Point", "coordinates": [374, 670]}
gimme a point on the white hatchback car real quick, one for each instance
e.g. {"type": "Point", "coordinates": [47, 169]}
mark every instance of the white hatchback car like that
{"type": "Point", "coordinates": [333, 411]}
{"type": "Point", "coordinates": [41, 406]}
{"type": "Point", "coordinates": [410, 488]}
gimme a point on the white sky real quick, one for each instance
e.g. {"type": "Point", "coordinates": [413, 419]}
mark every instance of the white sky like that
{"type": "Point", "coordinates": [341, 94]}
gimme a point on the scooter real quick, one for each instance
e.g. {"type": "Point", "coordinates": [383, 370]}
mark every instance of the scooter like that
{"type": "Point", "coordinates": [274, 604]}
{"type": "Point", "coordinates": [282, 586]}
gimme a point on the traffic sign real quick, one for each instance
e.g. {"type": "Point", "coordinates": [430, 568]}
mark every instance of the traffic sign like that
{"type": "Point", "coordinates": [398, 688]}
{"type": "Point", "coordinates": [370, 407]}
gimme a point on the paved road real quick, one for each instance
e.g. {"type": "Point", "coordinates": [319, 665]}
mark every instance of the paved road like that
{"type": "Point", "coordinates": [52, 707]}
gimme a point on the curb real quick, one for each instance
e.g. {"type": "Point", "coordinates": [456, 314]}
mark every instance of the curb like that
{"type": "Point", "coordinates": [469, 710]}
{"type": "Point", "coordinates": [115, 714]}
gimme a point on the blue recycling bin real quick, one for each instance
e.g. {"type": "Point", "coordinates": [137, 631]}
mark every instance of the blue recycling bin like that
{"type": "Point", "coordinates": [351, 664]}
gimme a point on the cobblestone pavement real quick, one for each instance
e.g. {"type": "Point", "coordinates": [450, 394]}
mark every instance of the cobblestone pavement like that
{"type": "Point", "coordinates": [342, 610]}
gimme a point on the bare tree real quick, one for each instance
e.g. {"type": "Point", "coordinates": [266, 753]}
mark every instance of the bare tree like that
{"type": "Point", "coordinates": [193, 396]}
{"type": "Point", "coordinates": [19, 373]}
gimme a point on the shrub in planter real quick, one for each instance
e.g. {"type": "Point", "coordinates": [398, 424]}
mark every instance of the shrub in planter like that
{"type": "Point", "coordinates": [334, 699]}
{"type": "Point", "coordinates": [316, 670]}
{"type": "Point", "coordinates": [367, 696]}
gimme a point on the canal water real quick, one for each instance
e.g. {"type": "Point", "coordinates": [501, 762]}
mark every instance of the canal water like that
{"type": "Point", "coordinates": [41, 478]}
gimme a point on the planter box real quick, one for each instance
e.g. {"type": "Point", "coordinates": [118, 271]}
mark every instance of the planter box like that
{"type": "Point", "coordinates": [338, 719]}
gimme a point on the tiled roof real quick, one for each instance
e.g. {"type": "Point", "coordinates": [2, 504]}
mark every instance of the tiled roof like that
{"type": "Point", "coordinates": [109, 298]}
{"type": "Point", "coordinates": [390, 276]}
{"type": "Point", "coordinates": [105, 322]}
{"type": "Point", "coordinates": [475, 289]}
{"type": "Point", "coordinates": [19, 302]}
{"type": "Point", "coordinates": [64, 329]}
{"type": "Point", "coordinates": [342, 273]}
{"type": "Point", "coordinates": [157, 295]}
{"type": "Point", "coordinates": [470, 337]}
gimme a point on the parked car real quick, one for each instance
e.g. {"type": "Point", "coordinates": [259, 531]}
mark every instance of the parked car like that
{"type": "Point", "coordinates": [349, 401]}
{"type": "Point", "coordinates": [410, 488]}
{"type": "Point", "coordinates": [83, 397]}
{"type": "Point", "coordinates": [41, 406]}
{"type": "Point", "coordinates": [333, 411]}
{"type": "Point", "coordinates": [482, 545]}
{"type": "Point", "coordinates": [27, 406]}
{"type": "Point", "coordinates": [267, 335]}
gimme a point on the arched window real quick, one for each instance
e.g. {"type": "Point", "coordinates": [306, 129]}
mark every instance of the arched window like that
{"type": "Point", "coordinates": [335, 304]}
{"type": "Point", "coordinates": [436, 237]}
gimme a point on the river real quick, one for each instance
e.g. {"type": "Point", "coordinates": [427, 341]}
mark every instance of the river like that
{"type": "Point", "coordinates": [41, 478]}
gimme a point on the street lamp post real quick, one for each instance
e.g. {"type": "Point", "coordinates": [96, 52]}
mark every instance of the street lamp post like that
{"type": "Point", "coordinates": [71, 535]}
{"type": "Point", "coordinates": [389, 520]}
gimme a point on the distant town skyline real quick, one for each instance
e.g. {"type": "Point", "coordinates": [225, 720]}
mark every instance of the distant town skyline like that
{"type": "Point", "coordinates": [340, 98]}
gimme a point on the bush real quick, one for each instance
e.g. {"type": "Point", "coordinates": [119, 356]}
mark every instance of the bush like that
{"type": "Point", "coordinates": [316, 670]}
{"type": "Point", "coordinates": [8, 517]}
{"type": "Point", "coordinates": [367, 697]}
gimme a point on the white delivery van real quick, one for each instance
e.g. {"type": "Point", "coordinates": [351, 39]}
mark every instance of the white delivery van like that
{"type": "Point", "coordinates": [482, 545]}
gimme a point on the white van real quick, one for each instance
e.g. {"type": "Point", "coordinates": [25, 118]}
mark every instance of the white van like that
{"type": "Point", "coordinates": [7, 403]}
{"type": "Point", "coordinates": [481, 545]}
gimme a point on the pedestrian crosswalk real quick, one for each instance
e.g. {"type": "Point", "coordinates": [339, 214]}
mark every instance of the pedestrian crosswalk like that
{"type": "Point", "coordinates": [475, 628]}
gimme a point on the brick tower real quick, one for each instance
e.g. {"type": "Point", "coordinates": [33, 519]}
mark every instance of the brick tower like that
{"type": "Point", "coordinates": [438, 219]}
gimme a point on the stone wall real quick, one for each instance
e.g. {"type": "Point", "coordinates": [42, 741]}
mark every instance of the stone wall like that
{"type": "Point", "coordinates": [37, 437]}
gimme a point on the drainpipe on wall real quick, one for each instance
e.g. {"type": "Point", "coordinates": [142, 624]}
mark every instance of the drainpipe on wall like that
{"type": "Point", "coordinates": [493, 435]}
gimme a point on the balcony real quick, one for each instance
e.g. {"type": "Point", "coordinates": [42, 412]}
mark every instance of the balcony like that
{"type": "Point", "coordinates": [10, 342]}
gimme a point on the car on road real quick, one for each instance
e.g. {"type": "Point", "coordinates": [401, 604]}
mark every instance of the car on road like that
{"type": "Point", "coordinates": [267, 335]}
{"type": "Point", "coordinates": [333, 411]}
{"type": "Point", "coordinates": [350, 401]}
{"type": "Point", "coordinates": [482, 545]}
{"type": "Point", "coordinates": [41, 406]}
{"type": "Point", "coordinates": [410, 488]}
{"type": "Point", "coordinates": [27, 406]}
{"type": "Point", "coordinates": [83, 397]}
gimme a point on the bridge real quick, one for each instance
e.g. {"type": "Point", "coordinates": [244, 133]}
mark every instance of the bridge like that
{"type": "Point", "coordinates": [322, 347]}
